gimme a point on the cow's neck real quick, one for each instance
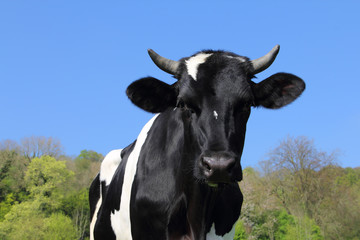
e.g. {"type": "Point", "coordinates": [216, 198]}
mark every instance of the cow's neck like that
{"type": "Point", "coordinates": [201, 202]}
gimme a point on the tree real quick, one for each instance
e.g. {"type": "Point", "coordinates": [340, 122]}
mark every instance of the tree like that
{"type": "Point", "coordinates": [12, 172]}
{"type": "Point", "coordinates": [291, 169]}
{"type": "Point", "coordinates": [9, 145]}
{"type": "Point", "coordinates": [59, 227]}
{"type": "Point", "coordinates": [76, 206]}
{"type": "Point", "coordinates": [24, 221]}
{"type": "Point", "coordinates": [38, 217]}
{"type": "Point", "coordinates": [312, 188]}
{"type": "Point", "coordinates": [37, 146]}
{"type": "Point", "coordinates": [338, 213]}
{"type": "Point", "coordinates": [87, 165]}
{"type": "Point", "coordinates": [47, 181]}
{"type": "Point", "coordinates": [240, 231]}
{"type": "Point", "coordinates": [27, 221]}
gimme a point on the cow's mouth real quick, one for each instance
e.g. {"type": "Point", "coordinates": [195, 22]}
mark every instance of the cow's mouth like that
{"type": "Point", "coordinates": [219, 184]}
{"type": "Point", "coordinates": [213, 185]}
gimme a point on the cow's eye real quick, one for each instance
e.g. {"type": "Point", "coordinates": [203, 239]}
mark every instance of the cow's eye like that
{"type": "Point", "coordinates": [180, 104]}
{"type": "Point", "coordinates": [187, 107]}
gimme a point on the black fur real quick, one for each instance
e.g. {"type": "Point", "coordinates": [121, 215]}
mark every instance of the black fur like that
{"type": "Point", "coordinates": [152, 94]}
{"type": "Point", "coordinates": [278, 90]}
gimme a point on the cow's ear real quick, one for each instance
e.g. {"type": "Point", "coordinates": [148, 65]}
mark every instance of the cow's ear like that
{"type": "Point", "coordinates": [278, 90]}
{"type": "Point", "coordinates": [152, 95]}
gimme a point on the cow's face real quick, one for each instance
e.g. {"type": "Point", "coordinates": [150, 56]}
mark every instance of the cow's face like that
{"type": "Point", "coordinates": [214, 93]}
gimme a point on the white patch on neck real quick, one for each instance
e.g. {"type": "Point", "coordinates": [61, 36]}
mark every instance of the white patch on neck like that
{"type": "Point", "coordinates": [216, 115]}
{"type": "Point", "coordinates": [120, 220]}
{"type": "Point", "coordinates": [228, 236]}
{"type": "Point", "coordinates": [193, 63]}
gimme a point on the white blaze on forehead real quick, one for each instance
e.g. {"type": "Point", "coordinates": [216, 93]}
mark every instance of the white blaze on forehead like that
{"type": "Point", "coordinates": [216, 115]}
{"type": "Point", "coordinates": [193, 63]}
{"type": "Point", "coordinates": [120, 220]}
{"type": "Point", "coordinates": [241, 59]}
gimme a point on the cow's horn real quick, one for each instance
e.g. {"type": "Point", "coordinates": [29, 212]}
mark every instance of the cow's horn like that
{"type": "Point", "coordinates": [264, 62]}
{"type": "Point", "coordinates": [167, 65]}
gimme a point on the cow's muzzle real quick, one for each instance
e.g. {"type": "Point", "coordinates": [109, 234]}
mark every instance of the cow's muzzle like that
{"type": "Point", "coordinates": [219, 168]}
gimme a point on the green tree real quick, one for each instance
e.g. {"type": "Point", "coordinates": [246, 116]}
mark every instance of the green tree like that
{"type": "Point", "coordinates": [292, 169]}
{"type": "Point", "coordinates": [23, 221]}
{"type": "Point", "coordinates": [87, 165]}
{"type": "Point", "coordinates": [240, 231]}
{"type": "Point", "coordinates": [338, 213]}
{"type": "Point", "coordinates": [26, 221]}
{"type": "Point", "coordinates": [303, 229]}
{"type": "Point", "coordinates": [86, 157]}
{"type": "Point", "coordinates": [6, 205]}
{"type": "Point", "coordinates": [12, 172]}
{"type": "Point", "coordinates": [59, 227]}
{"type": "Point", "coordinates": [47, 181]}
{"type": "Point", "coordinates": [76, 206]}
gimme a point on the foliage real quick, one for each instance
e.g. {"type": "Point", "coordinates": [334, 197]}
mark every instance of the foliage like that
{"type": "Point", "coordinates": [40, 197]}
{"type": "Point", "coordinates": [12, 172]}
{"type": "Point", "coordinates": [299, 193]}
{"type": "Point", "coordinates": [47, 180]}
{"type": "Point", "coordinates": [303, 228]}
{"type": "Point", "coordinates": [86, 157]}
{"type": "Point", "coordinates": [27, 221]}
{"type": "Point", "coordinates": [59, 227]}
{"type": "Point", "coordinates": [23, 221]}
{"type": "Point", "coordinates": [6, 205]}
{"type": "Point", "coordinates": [76, 205]}
{"type": "Point", "coordinates": [240, 231]}
{"type": "Point", "coordinates": [86, 166]}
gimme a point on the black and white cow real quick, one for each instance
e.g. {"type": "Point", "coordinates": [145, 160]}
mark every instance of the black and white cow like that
{"type": "Point", "coordinates": [179, 179]}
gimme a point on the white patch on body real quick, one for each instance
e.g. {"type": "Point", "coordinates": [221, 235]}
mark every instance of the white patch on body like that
{"type": "Point", "coordinates": [216, 115]}
{"type": "Point", "coordinates": [212, 235]}
{"type": "Point", "coordinates": [193, 63]}
{"type": "Point", "coordinates": [120, 220]}
{"type": "Point", "coordinates": [94, 218]}
{"type": "Point", "coordinates": [109, 165]}
{"type": "Point", "coordinates": [107, 171]}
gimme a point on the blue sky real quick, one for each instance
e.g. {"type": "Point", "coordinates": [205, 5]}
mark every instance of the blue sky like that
{"type": "Point", "coordinates": [65, 66]}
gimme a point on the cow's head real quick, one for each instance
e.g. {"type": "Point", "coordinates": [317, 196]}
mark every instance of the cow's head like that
{"type": "Point", "coordinates": [215, 93]}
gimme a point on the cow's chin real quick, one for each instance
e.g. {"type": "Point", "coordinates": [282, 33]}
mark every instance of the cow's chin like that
{"type": "Point", "coordinates": [219, 184]}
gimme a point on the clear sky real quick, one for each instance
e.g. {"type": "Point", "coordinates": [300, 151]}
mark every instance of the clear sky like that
{"type": "Point", "coordinates": [65, 66]}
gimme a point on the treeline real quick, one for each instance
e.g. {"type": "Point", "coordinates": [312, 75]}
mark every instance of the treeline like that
{"type": "Point", "coordinates": [44, 193]}
{"type": "Point", "coordinates": [298, 192]}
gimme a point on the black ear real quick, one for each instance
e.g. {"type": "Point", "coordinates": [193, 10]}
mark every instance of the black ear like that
{"type": "Point", "coordinates": [278, 90]}
{"type": "Point", "coordinates": [152, 95]}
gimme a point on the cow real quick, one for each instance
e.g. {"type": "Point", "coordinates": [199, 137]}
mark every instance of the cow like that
{"type": "Point", "coordinates": [179, 178]}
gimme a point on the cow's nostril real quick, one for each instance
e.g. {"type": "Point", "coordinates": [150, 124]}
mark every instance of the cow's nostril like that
{"type": "Point", "coordinates": [207, 166]}
{"type": "Point", "coordinates": [217, 168]}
